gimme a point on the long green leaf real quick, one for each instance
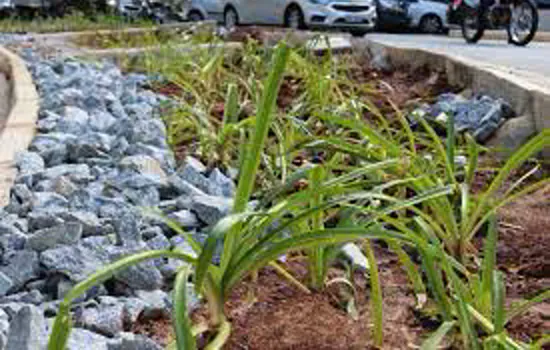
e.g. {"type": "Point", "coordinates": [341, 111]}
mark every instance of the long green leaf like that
{"type": "Point", "coordinates": [434, 341]}
{"type": "Point", "coordinates": [376, 296]}
{"type": "Point", "coordinates": [487, 269]}
{"type": "Point", "coordinates": [255, 147]}
{"type": "Point", "coordinates": [182, 324]}
{"type": "Point", "coordinates": [262, 255]}
{"type": "Point", "coordinates": [528, 150]}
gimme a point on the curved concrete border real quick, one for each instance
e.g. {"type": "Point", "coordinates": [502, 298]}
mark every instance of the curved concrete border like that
{"type": "Point", "coordinates": [20, 124]}
{"type": "Point", "coordinates": [528, 99]}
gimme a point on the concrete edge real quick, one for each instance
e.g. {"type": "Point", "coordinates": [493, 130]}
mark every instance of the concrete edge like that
{"type": "Point", "coordinates": [128, 30]}
{"type": "Point", "coordinates": [20, 125]}
{"type": "Point", "coordinates": [526, 98]}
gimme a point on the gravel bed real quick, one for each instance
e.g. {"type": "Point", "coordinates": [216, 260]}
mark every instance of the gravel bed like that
{"type": "Point", "coordinates": [99, 158]}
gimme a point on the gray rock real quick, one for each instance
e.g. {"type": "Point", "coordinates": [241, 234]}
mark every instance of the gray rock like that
{"type": "Point", "coordinates": [4, 329]}
{"type": "Point", "coordinates": [142, 197]}
{"type": "Point", "coordinates": [12, 309]}
{"type": "Point", "coordinates": [130, 341]}
{"type": "Point", "coordinates": [144, 276]}
{"type": "Point", "coordinates": [79, 261]}
{"type": "Point", "coordinates": [75, 120]}
{"type": "Point", "coordinates": [5, 284]}
{"type": "Point", "coordinates": [27, 329]}
{"type": "Point", "coordinates": [106, 319]}
{"type": "Point", "coordinates": [192, 171]}
{"type": "Point", "coordinates": [32, 297]}
{"type": "Point", "coordinates": [79, 173]}
{"type": "Point", "coordinates": [513, 134]}
{"type": "Point", "coordinates": [22, 267]}
{"type": "Point", "coordinates": [11, 242]}
{"type": "Point", "coordinates": [157, 303]}
{"type": "Point", "coordinates": [23, 195]}
{"type": "Point", "coordinates": [177, 187]}
{"type": "Point", "coordinates": [101, 121]}
{"type": "Point", "coordinates": [46, 218]}
{"type": "Point", "coordinates": [211, 209]}
{"type": "Point", "coordinates": [94, 147]}
{"type": "Point", "coordinates": [82, 339]}
{"type": "Point", "coordinates": [220, 185]}
{"type": "Point", "coordinates": [127, 227]}
{"type": "Point", "coordinates": [64, 187]}
{"type": "Point", "coordinates": [91, 225]}
{"type": "Point", "coordinates": [9, 229]}
{"type": "Point", "coordinates": [48, 200]}
{"type": "Point", "coordinates": [185, 218]}
{"type": "Point", "coordinates": [29, 163]}
{"type": "Point", "coordinates": [146, 166]}
{"type": "Point", "coordinates": [149, 131]}
{"type": "Point", "coordinates": [64, 234]}
{"type": "Point", "coordinates": [133, 308]}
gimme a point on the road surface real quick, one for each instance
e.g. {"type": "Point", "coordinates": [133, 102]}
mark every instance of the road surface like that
{"type": "Point", "coordinates": [531, 63]}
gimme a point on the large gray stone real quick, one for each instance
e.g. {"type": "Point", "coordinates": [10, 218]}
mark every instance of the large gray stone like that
{"type": "Point", "coordinates": [48, 200]}
{"type": "Point", "coordinates": [22, 267]}
{"type": "Point", "coordinates": [79, 173]}
{"type": "Point", "coordinates": [157, 303]}
{"type": "Point", "coordinates": [84, 339]}
{"type": "Point", "coordinates": [106, 319]}
{"type": "Point", "coordinates": [32, 297]}
{"type": "Point", "coordinates": [146, 166]}
{"type": "Point", "coordinates": [513, 134]}
{"type": "Point", "coordinates": [192, 171]}
{"type": "Point", "coordinates": [211, 209]}
{"type": "Point", "coordinates": [91, 224]}
{"type": "Point", "coordinates": [5, 284]}
{"type": "Point", "coordinates": [220, 185]}
{"type": "Point", "coordinates": [27, 330]}
{"type": "Point", "coordinates": [29, 163]}
{"type": "Point", "coordinates": [131, 341]}
{"type": "Point", "coordinates": [75, 121]}
{"type": "Point", "coordinates": [64, 234]}
{"type": "Point", "coordinates": [144, 276]}
{"type": "Point", "coordinates": [79, 261]}
{"type": "Point", "coordinates": [185, 219]}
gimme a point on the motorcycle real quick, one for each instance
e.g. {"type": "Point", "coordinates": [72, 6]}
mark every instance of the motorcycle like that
{"type": "Point", "coordinates": [519, 17]}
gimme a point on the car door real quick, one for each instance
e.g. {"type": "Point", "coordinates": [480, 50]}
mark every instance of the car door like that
{"type": "Point", "coordinates": [270, 11]}
{"type": "Point", "coordinates": [214, 8]}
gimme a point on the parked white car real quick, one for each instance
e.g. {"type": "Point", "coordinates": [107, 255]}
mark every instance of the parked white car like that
{"type": "Point", "coordinates": [200, 10]}
{"type": "Point", "coordinates": [428, 16]}
{"type": "Point", "coordinates": [356, 16]}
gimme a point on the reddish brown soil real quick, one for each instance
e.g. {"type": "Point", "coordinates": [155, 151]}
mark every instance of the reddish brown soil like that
{"type": "Point", "coordinates": [524, 254]}
{"type": "Point", "coordinates": [283, 317]}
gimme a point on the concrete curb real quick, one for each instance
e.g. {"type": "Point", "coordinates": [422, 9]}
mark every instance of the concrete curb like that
{"type": "Point", "coordinates": [527, 98]}
{"type": "Point", "coordinates": [20, 124]}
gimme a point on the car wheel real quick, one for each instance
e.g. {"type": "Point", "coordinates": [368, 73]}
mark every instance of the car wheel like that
{"type": "Point", "coordinates": [230, 18]}
{"type": "Point", "coordinates": [431, 24]}
{"type": "Point", "coordinates": [294, 18]}
{"type": "Point", "coordinates": [195, 16]}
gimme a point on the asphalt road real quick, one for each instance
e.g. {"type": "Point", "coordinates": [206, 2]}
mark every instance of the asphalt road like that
{"type": "Point", "coordinates": [531, 62]}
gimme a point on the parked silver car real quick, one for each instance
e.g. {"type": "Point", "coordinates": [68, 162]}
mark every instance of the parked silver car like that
{"type": "Point", "coordinates": [429, 16]}
{"type": "Point", "coordinates": [358, 16]}
{"type": "Point", "coordinates": [200, 10]}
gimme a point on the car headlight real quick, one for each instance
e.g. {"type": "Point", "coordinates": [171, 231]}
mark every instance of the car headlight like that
{"type": "Point", "coordinates": [320, 2]}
